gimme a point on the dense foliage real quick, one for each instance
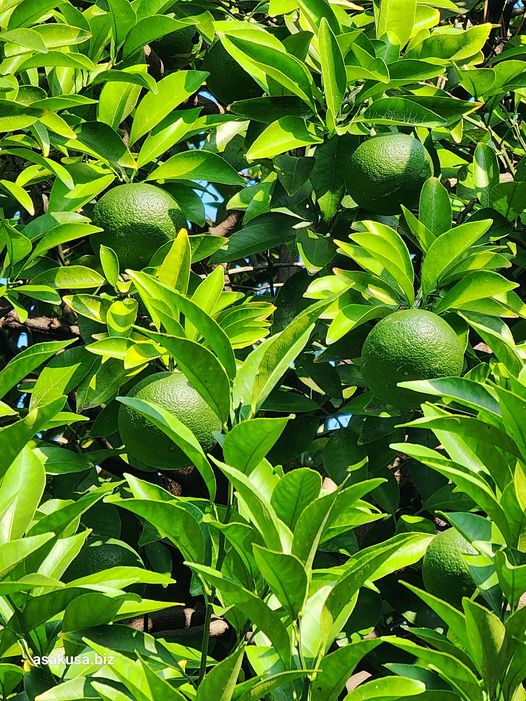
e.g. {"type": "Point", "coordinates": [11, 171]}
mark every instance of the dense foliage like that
{"type": "Point", "coordinates": [286, 563]}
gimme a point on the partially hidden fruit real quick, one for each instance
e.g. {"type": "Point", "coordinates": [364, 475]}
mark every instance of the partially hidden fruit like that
{"type": "Point", "coordinates": [444, 569]}
{"type": "Point", "coordinates": [290, 300]}
{"type": "Point", "coordinates": [384, 172]}
{"type": "Point", "coordinates": [412, 344]}
{"type": "Point", "coordinates": [99, 554]}
{"type": "Point", "coordinates": [175, 45]}
{"type": "Point", "coordinates": [227, 81]}
{"type": "Point", "coordinates": [137, 219]}
{"type": "Point", "coordinates": [147, 443]}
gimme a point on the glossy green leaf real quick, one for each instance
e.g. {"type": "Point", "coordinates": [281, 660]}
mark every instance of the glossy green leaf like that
{"type": "Point", "coordinates": [401, 111]}
{"type": "Point", "coordinates": [173, 521]}
{"type": "Point", "coordinates": [220, 682]}
{"type": "Point", "coordinates": [472, 287]}
{"type": "Point", "coordinates": [171, 92]}
{"type": "Point", "coordinates": [446, 250]}
{"type": "Point", "coordinates": [485, 172]}
{"type": "Point", "coordinates": [286, 576]}
{"type": "Point", "coordinates": [387, 688]}
{"type": "Point", "coordinates": [283, 135]}
{"type": "Point", "coordinates": [179, 433]}
{"type": "Point", "coordinates": [396, 19]}
{"type": "Point", "coordinates": [250, 441]}
{"type": "Point", "coordinates": [435, 207]}
{"type": "Point", "coordinates": [22, 488]}
{"type": "Point", "coordinates": [332, 69]}
{"type": "Point", "coordinates": [26, 361]}
{"type": "Point", "coordinates": [336, 668]}
{"type": "Point", "coordinates": [197, 165]}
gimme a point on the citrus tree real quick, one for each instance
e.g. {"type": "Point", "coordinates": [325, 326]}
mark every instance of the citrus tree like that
{"type": "Point", "coordinates": [262, 350]}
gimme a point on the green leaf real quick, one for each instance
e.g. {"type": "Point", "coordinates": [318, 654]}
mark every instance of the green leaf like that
{"type": "Point", "coordinates": [104, 142]}
{"type": "Point", "coordinates": [250, 441]}
{"type": "Point", "coordinates": [175, 268]}
{"type": "Point", "coordinates": [75, 277]}
{"type": "Point", "coordinates": [61, 375]}
{"type": "Point", "coordinates": [476, 285]}
{"type": "Point", "coordinates": [179, 433]}
{"type": "Point", "coordinates": [123, 17]}
{"type": "Point", "coordinates": [336, 668]}
{"type": "Point", "coordinates": [197, 165]}
{"type": "Point", "coordinates": [389, 248]}
{"type": "Point", "coordinates": [461, 678]}
{"type": "Point", "coordinates": [171, 92]}
{"type": "Point", "coordinates": [19, 194]}
{"type": "Point", "coordinates": [116, 102]}
{"type": "Point", "coordinates": [400, 111]}
{"type": "Point", "coordinates": [63, 233]}
{"type": "Point", "coordinates": [121, 317]}
{"type": "Point", "coordinates": [341, 599]}
{"type": "Point", "coordinates": [286, 576]}
{"type": "Point", "coordinates": [471, 483]}
{"type": "Point", "coordinates": [171, 130]}
{"type": "Point", "coordinates": [30, 11]}
{"type": "Point", "coordinates": [260, 511]}
{"type": "Point", "coordinates": [26, 38]}
{"type": "Point", "coordinates": [469, 392]}
{"type": "Point", "coordinates": [351, 316]}
{"type": "Point", "coordinates": [283, 135]}
{"type": "Point", "coordinates": [148, 29]}
{"type": "Point", "coordinates": [294, 492]}
{"type": "Point", "coordinates": [15, 436]}
{"type": "Point", "coordinates": [220, 682]}
{"type": "Point", "coordinates": [485, 172]}
{"type": "Point", "coordinates": [509, 199]}
{"type": "Point", "coordinates": [22, 488]}
{"type": "Point", "coordinates": [28, 360]}
{"type": "Point", "coordinates": [265, 365]}
{"type": "Point", "coordinates": [91, 609]}
{"type": "Point", "coordinates": [387, 688]}
{"type": "Point", "coordinates": [451, 44]}
{"type": "Point", "coordinates": [251, 607]}
{"type": "Point", "coordinates": [446, 250]}
{"type": "Point", "coordinates": [213, 334]}
{"type": "Point", "coordinates": [273, 62]}
{"type": "Point", "coordinates": [396, 19]}
{"type": "Point", "coordinates": [435, 208]}
{"type": "Point", "coordinates": [332, 69]}
{"type": "Point", "coordinates": [486, 638]}
{"type": "Point", "coordinates": [173, 521]}
{"type": "Point", "coordinates": [14, 116]}
{"type": "Point", "coordinates": [264, 232]}
{"type": "Point", "coordinates": [16, 551]}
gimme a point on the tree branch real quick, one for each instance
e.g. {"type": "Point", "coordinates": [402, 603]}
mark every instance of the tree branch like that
{"type": "Point", "coordinates": [40, 324]}
{"type": "Point", "coordinates": [226, 226]}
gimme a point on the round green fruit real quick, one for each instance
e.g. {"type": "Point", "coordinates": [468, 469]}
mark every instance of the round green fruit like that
{"type": "Point", "coordinates": [387, 171]}
{"type": "Point", "coordinates": [444, 570]}
{"type": "Point", "coordinates": [412, 344]}
{"type": "Point", "coordinates": [137, 219]}
{"type": "Point", "coordinates": [290, 300]}
{"type": "Point", "coordinates": [147, 443]}
{"type": "Point", "coordinates": [99, 554]}
{"type": "Point", "coordinates": [227, 81]}
{"type": "Point", "coordinates": [175, 45]}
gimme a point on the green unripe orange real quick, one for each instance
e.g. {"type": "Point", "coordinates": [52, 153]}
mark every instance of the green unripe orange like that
{"type": "Point", "coordinates": [147, 443]}
{"type": "Point", "coordinates": [386, 171]}
{"type": "Point", "coordinates": [412, 344]}
{"type": "Point", "coordinates": [444, 569]}
{"type": "Point", "coordinates": [137, 219]}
